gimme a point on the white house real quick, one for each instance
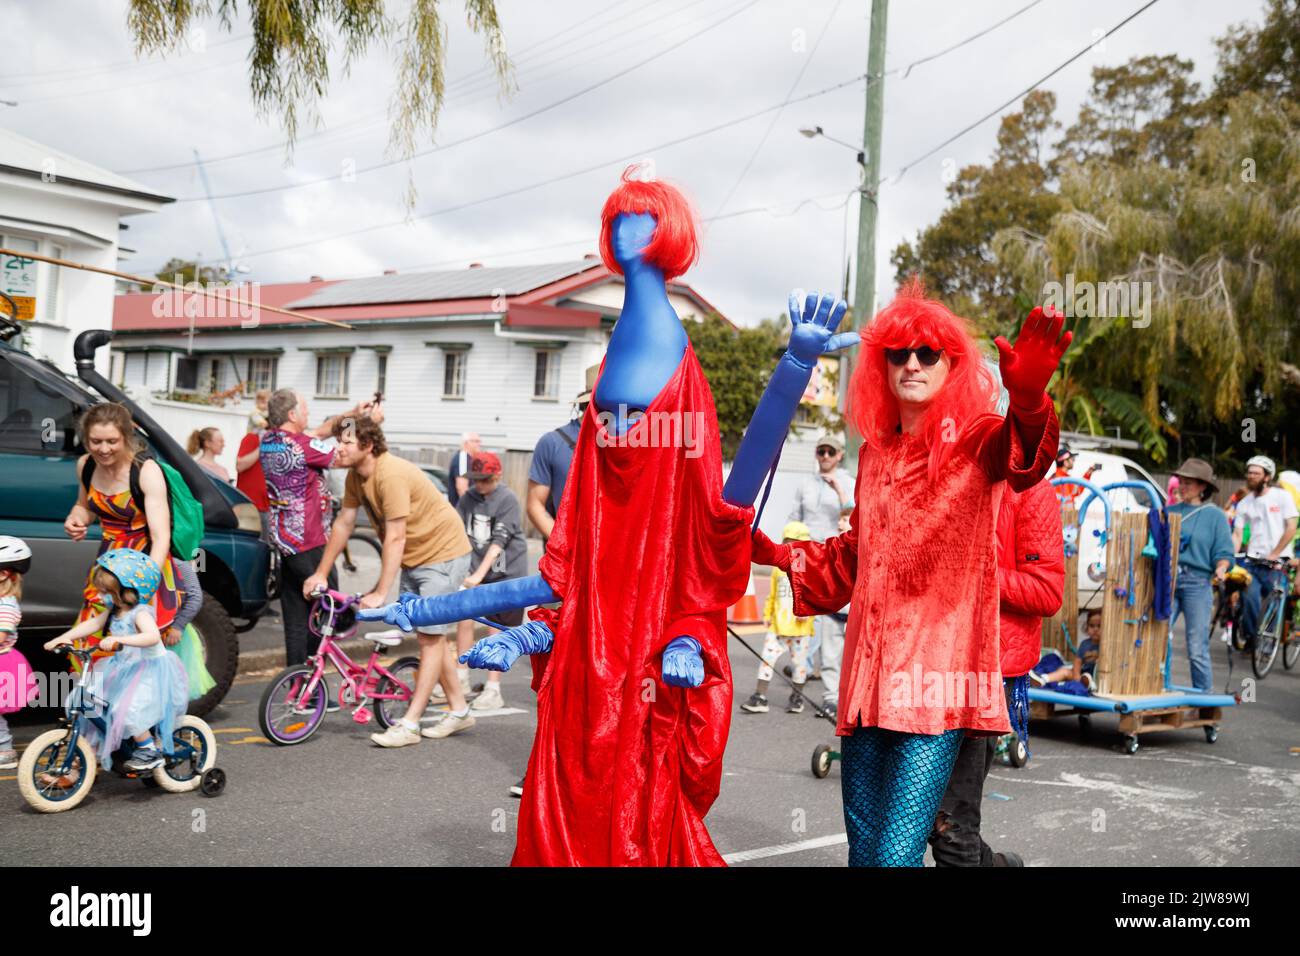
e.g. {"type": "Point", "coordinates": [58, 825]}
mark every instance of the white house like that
{"type": "Point", "coordinates": [56, 205]}
{"type": "Point", "coordinates": [499, 351]}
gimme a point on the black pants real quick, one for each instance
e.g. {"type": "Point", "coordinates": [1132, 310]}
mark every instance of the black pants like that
{"type": "Point", "coordinates": [955, 839]}
{"type": "Point", "coordinates": [295, 569]}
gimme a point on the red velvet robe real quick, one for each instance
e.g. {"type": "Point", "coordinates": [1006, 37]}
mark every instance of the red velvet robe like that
{"type": "Point", "coordinates": [624, 767]}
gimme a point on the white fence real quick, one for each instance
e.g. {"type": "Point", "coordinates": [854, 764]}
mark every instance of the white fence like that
{"type": "Point", "coordinates": [181, 418]}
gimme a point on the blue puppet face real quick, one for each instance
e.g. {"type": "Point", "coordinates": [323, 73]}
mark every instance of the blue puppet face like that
{"type": "Point", "coordinates": [631, 234]}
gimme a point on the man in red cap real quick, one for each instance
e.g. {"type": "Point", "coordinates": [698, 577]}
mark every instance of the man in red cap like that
{"type": "Point", "coordinates": [493, 522]}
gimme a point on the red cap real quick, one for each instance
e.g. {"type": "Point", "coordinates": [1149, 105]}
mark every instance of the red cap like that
{"type": "Point", "coordinates": [484, 465]}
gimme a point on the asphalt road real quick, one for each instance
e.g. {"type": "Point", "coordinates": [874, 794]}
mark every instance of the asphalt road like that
{"type": "Point", "coordinates": [339, 800]}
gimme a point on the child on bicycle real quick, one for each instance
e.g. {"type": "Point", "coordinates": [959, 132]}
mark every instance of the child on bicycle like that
{"type": "Point", "coordinates": [15, 561]}
{"type": "Point", "coordinates": [1076, 678]}
{"type": "Point", "coordinates": [145, 687]}
{"type": "Point", "coordinates": [786, 631]}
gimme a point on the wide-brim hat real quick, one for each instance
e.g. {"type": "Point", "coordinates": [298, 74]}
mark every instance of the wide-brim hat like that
{"type": "Point", "coordinates": [1198, 469]}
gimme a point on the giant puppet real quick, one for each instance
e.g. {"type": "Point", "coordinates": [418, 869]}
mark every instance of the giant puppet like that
{"type": "Point", "coordinates": [648, 551]}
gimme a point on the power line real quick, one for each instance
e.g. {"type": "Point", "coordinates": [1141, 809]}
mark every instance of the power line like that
{"type": "Point", "coordinates": [106, 88]}
{"type": "Point", "coordinates": [494, 129]}
{"type": "Point", "coordinates": [368, 122]}
{"type": "Point", "coordinates": [104, 68]}
{"type": "Point", "coordinates": [633, 154]}
{"type": "Point", "coordinates": [777, 114]}
{"type": "Point", "coordinates": [1023, 93]}
{"type": "Point", "coordinates": [962, 43]}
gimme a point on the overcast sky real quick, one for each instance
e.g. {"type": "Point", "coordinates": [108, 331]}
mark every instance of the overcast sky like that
{"type": "Point", "coordinates": [69, 66]}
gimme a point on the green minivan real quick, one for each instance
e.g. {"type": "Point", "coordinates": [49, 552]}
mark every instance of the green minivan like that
{"type": "Point", "coordinates": [39, 446]}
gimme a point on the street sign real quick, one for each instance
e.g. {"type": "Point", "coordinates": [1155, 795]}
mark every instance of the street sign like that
{"type": "Point", "coordinates": [18, 280]}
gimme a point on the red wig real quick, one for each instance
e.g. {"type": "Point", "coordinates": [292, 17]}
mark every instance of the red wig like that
{"type": "Point", "coordinates": [970, 390]}
{"type": "Point", "coordinates": [673, 247]}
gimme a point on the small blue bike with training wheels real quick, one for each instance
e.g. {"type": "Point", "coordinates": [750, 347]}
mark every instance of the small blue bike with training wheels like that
{"type": "Point", "coordinates": [58, 768]}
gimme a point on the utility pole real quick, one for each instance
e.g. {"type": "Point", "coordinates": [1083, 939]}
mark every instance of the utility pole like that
{"type": "Point", "coordinates": [865, 286]}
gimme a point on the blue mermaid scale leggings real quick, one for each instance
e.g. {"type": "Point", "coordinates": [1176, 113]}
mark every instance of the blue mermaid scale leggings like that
{"type": "Point", "coordinates": [892, 784]}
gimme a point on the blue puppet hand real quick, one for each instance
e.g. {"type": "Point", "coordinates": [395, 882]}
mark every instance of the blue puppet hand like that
{"type": "Point", "coordinates": [683, 665]}
{"type": "Point", "coordinates": [500, 651]}
{"type": "Point", "coordinates": [814, 321]}
{"type": "Point", "coordinates": [398, 613]}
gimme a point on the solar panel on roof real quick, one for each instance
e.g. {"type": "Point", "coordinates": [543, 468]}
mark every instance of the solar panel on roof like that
{"type": "Point", "coordinates": [440, 286]}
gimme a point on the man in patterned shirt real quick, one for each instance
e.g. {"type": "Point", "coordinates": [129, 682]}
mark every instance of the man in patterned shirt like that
{"type": "Point", "coordinates": [294, 459]}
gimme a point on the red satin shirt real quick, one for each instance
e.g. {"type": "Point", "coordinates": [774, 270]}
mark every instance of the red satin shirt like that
{"type": "Point", "coordinates": [920, 567]}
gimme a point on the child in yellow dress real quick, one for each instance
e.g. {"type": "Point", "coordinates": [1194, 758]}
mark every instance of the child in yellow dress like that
{"type": "Point", "coordinates": [786, 631]}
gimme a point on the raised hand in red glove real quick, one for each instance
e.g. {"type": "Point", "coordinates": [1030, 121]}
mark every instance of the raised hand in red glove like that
{"type": "Point", "coordinates": [1028, 366]}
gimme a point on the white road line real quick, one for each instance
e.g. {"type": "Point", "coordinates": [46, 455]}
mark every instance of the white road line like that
{"type": "Point", "coordinates": [817, 843]}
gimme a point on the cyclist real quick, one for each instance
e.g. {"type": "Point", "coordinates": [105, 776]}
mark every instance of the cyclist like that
{"type": "Point", "coordinates": [1269, 514]}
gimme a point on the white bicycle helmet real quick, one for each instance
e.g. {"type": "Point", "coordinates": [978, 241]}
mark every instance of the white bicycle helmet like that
{"type": "Point", "coordinates": [15, 555]}
{"type": "Point", "coordinates": [1264, 462]}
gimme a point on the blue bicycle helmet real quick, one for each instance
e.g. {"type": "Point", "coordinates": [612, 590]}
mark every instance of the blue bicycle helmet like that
{"type": "Point", "coordinates": [135, 569]}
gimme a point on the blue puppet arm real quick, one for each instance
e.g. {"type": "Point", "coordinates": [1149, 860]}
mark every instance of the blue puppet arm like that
{"type": "Point", "coordinates": [410, 611]}
{"type": "Point", "coordinates": [683, 664]}
{"type": "Point", "coordinates": [811, 336]}
{"type": "Point", "coordinates": [499, 651]}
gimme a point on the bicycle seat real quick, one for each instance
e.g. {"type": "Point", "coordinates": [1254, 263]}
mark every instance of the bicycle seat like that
{"type": "Point", "coordinates": [385, 638]}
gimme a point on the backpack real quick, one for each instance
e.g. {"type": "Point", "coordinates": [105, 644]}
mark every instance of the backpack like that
{"type": "Point", "coordinates": [185, 511]}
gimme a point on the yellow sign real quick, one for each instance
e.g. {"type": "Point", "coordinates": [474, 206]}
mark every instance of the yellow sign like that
{"type": "Point", "coordinates": [26, 307]}
{"type": "Point", "coordinates": [821, 390]}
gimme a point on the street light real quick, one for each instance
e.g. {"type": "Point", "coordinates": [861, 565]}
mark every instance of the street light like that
{"type": "Point", "coordinates": [811, 132]}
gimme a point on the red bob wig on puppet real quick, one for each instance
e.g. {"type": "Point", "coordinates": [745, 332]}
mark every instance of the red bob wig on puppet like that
{"type": "Point", "coordinates": [673, 247]}
{"type": "Point", "coordinates": [970, 390]}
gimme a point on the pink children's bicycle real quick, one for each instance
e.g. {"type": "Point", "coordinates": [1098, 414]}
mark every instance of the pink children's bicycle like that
{"type": "Point", "coordinates": [294, 703]}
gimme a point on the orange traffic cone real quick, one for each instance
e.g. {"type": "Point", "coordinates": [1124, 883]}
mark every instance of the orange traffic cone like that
{"type": "Point", "coordinates": [745, 611]}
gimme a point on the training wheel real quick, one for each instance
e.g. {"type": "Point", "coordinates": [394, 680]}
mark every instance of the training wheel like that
{"type": "Point", "coordinates": [821, 761]}
{"type": "Point", "coordinates": [1131, 745]}
{"type": "Point", "coordinates": [1018, 753]}
{"type": "Point", "coordinates": [213, 781]}
{"type": "Point", "coordinates": [1211, 734]}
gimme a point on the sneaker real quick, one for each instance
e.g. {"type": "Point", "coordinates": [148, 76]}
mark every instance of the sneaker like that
{"type": "Point", "coordinates": [490, 699]}
{"type": "Point", "coordinates": [795, 706]}
{"type": "Point", "coordinates": [757, 704]}
{"type": "Point", "coordinates": [451, 724]}
{"type": "Point", "coordinates": [331, 705]}
{"type": "Point", "coordinates": [517, 789]}
{"type": "Point", "coordinates": [398, 735]}
{"type": "Point", "coordinates": [1037, 678]}
{"type": "Point", "coordinates": [8, 759]}
{"type": "Point", "coordinates": [146, 757]}
{"type": "Point", "coordinates": [1086, 680]}
{"type": "Point", "coordinates": [439, 696]}
{"type": "Point", "coordinates": [831, 709]}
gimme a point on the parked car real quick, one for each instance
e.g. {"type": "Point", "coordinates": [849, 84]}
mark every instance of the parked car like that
{"type": "Point", "coordinates": [39, 447]}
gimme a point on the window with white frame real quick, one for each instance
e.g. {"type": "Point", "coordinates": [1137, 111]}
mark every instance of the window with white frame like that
{"type": "Point", "coordinates": [40, 280]}
{"type": "Point", "coordinates": [331, 376]}
{"type": "Point", "coordinates": [546, 374]}
{"type": "Point", "coordinates": [453, 373]}
{"type": "Point", "coordinates": [259, 374]}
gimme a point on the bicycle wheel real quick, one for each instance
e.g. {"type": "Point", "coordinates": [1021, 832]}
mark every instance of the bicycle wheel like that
{"type": "Point", "coordinates": [359, 565]}
{"type": "Point", "coordinates": [1269, 636]}
{"type": "Point", "coordinates": [1291, 650]}
{"type": "Point", "coordinates": [44, 757]}
{"type": "Point", "coordinates": [282, 720]}
{"type": "Point", "coordinates": [388, 710]}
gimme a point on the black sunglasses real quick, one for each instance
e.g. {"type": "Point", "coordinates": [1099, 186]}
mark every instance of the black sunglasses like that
{"type": "Point", "coordinates": [826, 451]}
{"type": "Point", "coordinates": [924, 354]}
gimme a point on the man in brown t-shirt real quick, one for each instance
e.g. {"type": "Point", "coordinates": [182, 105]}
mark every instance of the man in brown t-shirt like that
{"type": "Point", "coordinates": [423, 538]}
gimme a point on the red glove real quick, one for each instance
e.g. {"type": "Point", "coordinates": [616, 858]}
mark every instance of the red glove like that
{"type": "Point", "coordinates": [765, 551]}
{"type": "Point", "coordinates": [1028, 367]}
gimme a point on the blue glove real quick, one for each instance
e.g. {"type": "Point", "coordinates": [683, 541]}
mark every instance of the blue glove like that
{"type": "Point", "coordinates": [398, 613]}
{"type": "Point", "coordinates": [412, 611]}
{"type": "Point", "coordinates": [498, 652]}
{"type": "Point", "coordinates": [812, 332]}
{"type": "Point", "coordinates": [683, 665]}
